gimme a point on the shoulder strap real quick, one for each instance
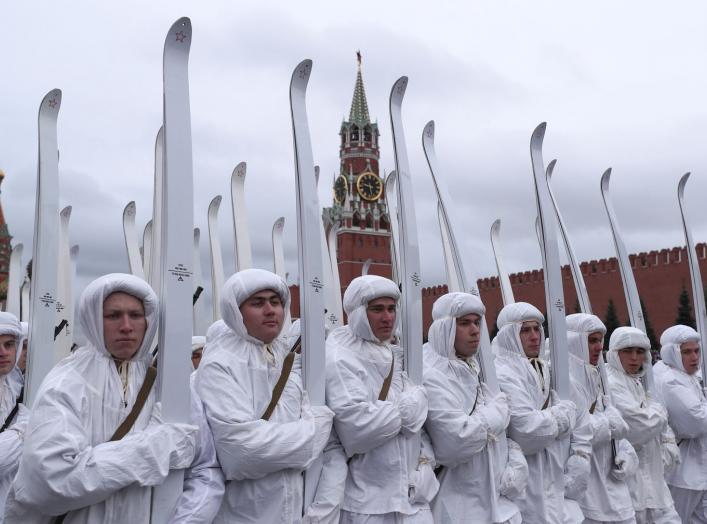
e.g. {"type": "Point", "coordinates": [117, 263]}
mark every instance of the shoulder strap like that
{"type": "Point", "coordinates": [12, 414]}
{"type": "Point", "coordinates": [279, 385]}
{"type": "Point", "coordinates": [386, 383]}
{"type": "Point", "coordinates": [129, 421]}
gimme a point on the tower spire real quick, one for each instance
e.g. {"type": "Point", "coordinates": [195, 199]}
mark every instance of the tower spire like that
{"type": "Point", "coordinates": [359, 106]}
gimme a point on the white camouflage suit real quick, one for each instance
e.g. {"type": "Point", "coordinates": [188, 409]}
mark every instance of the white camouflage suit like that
{"type": "Point", "coordinates": [68, 465]}
{"type": "Point", "coordinates": [556, 440]}
{"type": "Point", "coordinates": [377, 434]}
{"type": "Point", "coordinates": [262, 460]}
{"type": "Point", "coordinates": [687, 415]}
{"type": "Point", "coordinates": [607, 498]}
{"type": "Point", "coordinates": [464, 422]}
{"type": "Point", "coordinates": [649, 432]}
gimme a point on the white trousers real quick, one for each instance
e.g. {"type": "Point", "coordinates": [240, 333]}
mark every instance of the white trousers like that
{"type": "Point", "coordinates": [658, 516]}
{"type": "Point", "coordinates": [424, 516]}
{"type": "Point", "coordinates": [690, 504]}
{"type": "Point", "coordinates": [627, 521]}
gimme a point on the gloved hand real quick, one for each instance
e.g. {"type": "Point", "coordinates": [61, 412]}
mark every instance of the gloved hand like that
{"type": "Point", "coordinates": [626, 461]}
{"type": "Point", "coordinates": [323, 418]}
{"type": "Point", "coordinates": [423, 485]}
{"type": "Point", "coordinates": [412, 404]}
{"type": "Point", "coordinates": [617, 424]}
{"type": "Point", "coordinates": [495, 412]}
{"type": "Point", "coordinates": [176, 439]}
{"type": "Point", "coordinates": [601, 427]}
{"type": "Point", "coordinates": [671, 455]}
{"type": "Point", "coordinates": [577, 471]}
{"type": "Point", "coordinates": [565, 414]}
{"type": "Point", "coordinates": [514, 478]}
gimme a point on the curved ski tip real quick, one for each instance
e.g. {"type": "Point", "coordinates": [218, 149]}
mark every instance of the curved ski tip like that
{"type": "Point", "coordinates": [74, 251]}
{"type": "Point", "coordinates": [550, 168]}
{"type": "Point", "coordinates": [180, 32]}
{"type": "Point", "coordinates": [496, 226]}
{"type": "Point", "coordinates": [197, 233]}
{"type": "Point", "coordinates": [215, 202]}
{"type": "Point", "coordinates": [240, 170]}
{"type": "Point", "coordinates": [129, 208]}
{"type": "Point", "coordinates": [52, 100]}
{"type": "Point", "coordinates": [539, 132]}
{"type": "Point", "coordinates": [605, 178]}
{"type": "Point", "coordinates": [682, 183]}
{"type": "Point", "coordinates": [66, 212]}
{"type": "Point", "coordinates": [279, 223]}
{"type": "Point", "coordinates": [429, 130]}
{"type": "Point", "coordinates": [302, 72]}
{"type": "Point", "coordinates": [399, 87]}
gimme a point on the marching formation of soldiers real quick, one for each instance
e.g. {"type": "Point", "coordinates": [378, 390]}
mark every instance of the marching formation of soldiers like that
{"type": "Point", "coordinates": [449, 450]}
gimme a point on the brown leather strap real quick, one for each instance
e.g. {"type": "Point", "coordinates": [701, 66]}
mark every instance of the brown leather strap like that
{"type": "Point", "coordinates": [386, 383]}
{"type": "Point", "coordinates": [280, 385]}
{"type": "Point", "coordinates": [593, 407]}
{"type": "Point", "coordinates": [129, 421]}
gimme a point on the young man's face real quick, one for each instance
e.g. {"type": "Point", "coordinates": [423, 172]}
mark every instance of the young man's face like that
{"type": "Point", "coordinates": [690, 353]}
{"type": "Point", "coordinates": [530, 338]}
{"type": "Point", "coordinates": [8, 352]}
{"type": "Point", "coordinates": [632, 359]}
{"type": "Point", "coordinates": [467, 336]}
{"type": "Point", "coordinates": [596, 346]}
{"type": "Point", "coordinates": [381, 314]}
{"type": "Point", "coordinates": [124, 325]}
{"type": "Point", "coordinates": [263, 314]}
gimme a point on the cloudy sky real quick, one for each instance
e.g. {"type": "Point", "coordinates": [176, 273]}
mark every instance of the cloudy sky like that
{"type": "Point", "coordinates": [621, 84]}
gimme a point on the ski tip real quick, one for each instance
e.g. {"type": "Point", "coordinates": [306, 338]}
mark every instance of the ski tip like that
{"type": "Point", "coordinates": [539, 132]}
{"type": "Point", "coordinates": [279, 223]}
{"type": "Point", "coordinates": [550, 168]}
{"type": "Point", "coordinates": [239, 171]}
{"type": "Point", "coordinates": [301, 73]}
{"type": "Point", "coordinates": [66, 212]}
{"type": "Point", "coordinates": [682, 183]}
{"type": "Point", "coordinates": [429, 131]}
{"type": "Point", "coordinates": [74, 250]}
{"type": "Point", "coordinates": [18, 247]}
{"type": "Point", "coordinates": [197, 233]}
{"type": "Point", "coordinates": [51, 101]}
{"type": "Point", "coordinates": [605, 178]}
{"type": "Point", "coordinates": [399, 88]}
{"type": "Point", "coordinates": [496, 226]}
{"type": "Point", "coordinates": [215, 202]}
{"type": "Point", "coordinates": [180, 33]}
{"type": "Point", "coordinates": [130, 208]}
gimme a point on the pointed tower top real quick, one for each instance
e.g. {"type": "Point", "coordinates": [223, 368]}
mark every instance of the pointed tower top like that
{"type": "Point", "coordinates": [359, 106]}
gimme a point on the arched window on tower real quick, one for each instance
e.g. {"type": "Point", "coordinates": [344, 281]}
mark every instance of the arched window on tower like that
{"type": "Point", "coordinates": [383, 223]}
{"type": "Point", "coordinates": [369, 221]}
{"type": "Point", "coordinates": [367, 134]}
{"type": "Point", "coordinates": [356, 222]}
{"type": "Point", "coordinates": [354, 133]}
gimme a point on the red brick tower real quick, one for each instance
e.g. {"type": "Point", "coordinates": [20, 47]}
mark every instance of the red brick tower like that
{"type": "Point", "coordinates": [359, 206]}
{"type": "Point", "coordinates": [5, 250]}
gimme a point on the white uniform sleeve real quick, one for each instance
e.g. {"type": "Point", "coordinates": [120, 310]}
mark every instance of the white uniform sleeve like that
{"type": "Point", "coordinates": [361, 424]}
{"type": "Point", "coordinates": [687, 411]}
{"type": "Point", "coordinates": [532, 428]}
{"type": "Point", "coordinates": [456, 435]}
{"type": "Point", "coordinates": [204, 484]}
{"type": "Point", "coordinates": [11, 440]}
{"type": "Point", "coordinates": [330, 491]}
{"type": "Point", "coordinates": [60, 471]}
{"type": "Point", "coordinates": [247, 446]}
{"type": "Point", "coordinates": [644, 422]}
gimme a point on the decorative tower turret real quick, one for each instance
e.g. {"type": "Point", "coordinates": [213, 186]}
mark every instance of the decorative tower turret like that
{"type": "Point", "coordinates": [359, 206]}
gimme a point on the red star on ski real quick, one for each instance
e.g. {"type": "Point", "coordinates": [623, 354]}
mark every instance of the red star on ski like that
{"type": "Point", "coordinates": [181, 35]}
{"type": "Point", "coordinates": [52, 102]}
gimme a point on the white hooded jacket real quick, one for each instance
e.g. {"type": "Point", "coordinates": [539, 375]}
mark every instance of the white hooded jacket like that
{"type": "Point", "coordinates": [541, 433]}
{"type": "Point", "coordinates": [647, 423]}
{"type": "Point", "coordinates": [687, 410]}
{"type": "Point", "coordinates": [607, 498]}
{"type": "Point", "coordinates": [68, 465]}
{"type": "Point", "coordinates": [376, 433]}
{"type": "Point", "coordinates": [12, 438]}
{"type": "Point", "coordinates": [464, 422]}
{"type": "Point", "coordinates": [262, 460]}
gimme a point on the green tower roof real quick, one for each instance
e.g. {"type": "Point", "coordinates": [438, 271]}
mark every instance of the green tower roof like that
{"type": "Point", "coordinates": [359, 106]}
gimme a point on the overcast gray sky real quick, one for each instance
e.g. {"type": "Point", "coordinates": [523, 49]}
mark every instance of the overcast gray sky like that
{"type": "Point", "coordinates": [621, 84]}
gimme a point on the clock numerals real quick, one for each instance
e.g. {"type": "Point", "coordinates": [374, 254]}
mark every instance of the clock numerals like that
{"type": "Point", "coordinates": [369, 186]}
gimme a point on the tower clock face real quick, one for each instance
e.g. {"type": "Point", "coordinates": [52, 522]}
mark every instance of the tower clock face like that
{"type": "Point", "coordinates": [369, 186]}
{"type": "Point", "coordinates": [340, 189]}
